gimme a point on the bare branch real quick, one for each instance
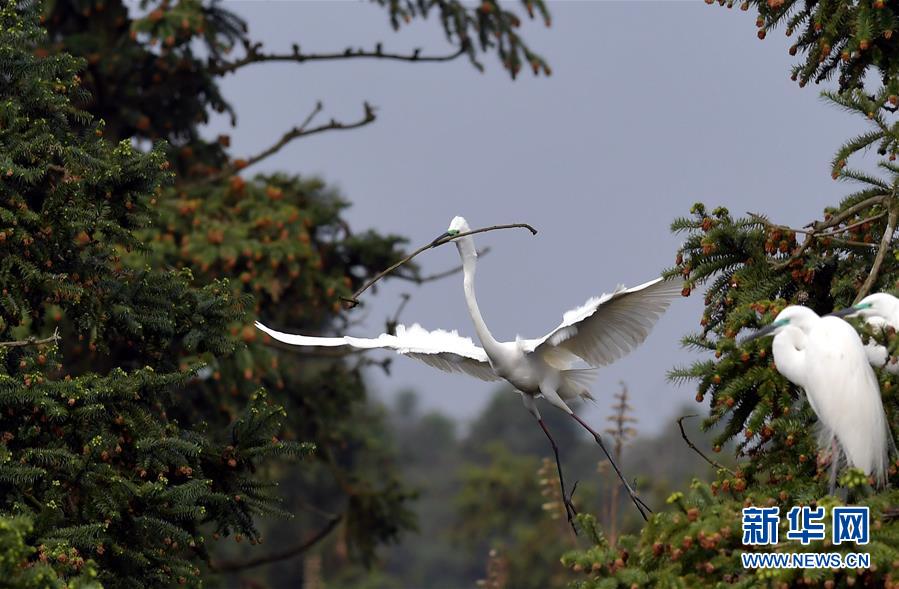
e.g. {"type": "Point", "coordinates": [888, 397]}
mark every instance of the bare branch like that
{"type": "Point", "coordinates": [354, 300]}
{"type": "Point", "coordinates": [438, 275]}
{"type": "Point", "coordinates": [882, 249]}
{"type": "Point", "coordinates": [395, 320]}
{"type": "Point", "coordinates": [302, 130]}
{"type": "Point", "coordinates": [32, 341]}
{"type": "Point", "coordinates": [254, 54]}
{"type": "Point", "coordinates": [817, 233]}
{"type": "Point", "coordinates": [680, 424]}
{"type": "Point", "coordinates": [854, 225]}
{"type": "Point", "coordinates": [854, 209]}
{"type": "Point", "coordinates": [232, 566]}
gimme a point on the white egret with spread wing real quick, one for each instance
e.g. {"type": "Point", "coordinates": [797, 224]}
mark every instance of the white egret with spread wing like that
{"type": "Point", "coordinates": [826, 357]}
{"type": "Point", "coordinates": [596, 334]}
{"type": "Point", "coordinates": [880, 311]}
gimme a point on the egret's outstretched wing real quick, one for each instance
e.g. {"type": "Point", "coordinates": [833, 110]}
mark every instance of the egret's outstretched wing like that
{"type": "Point", "coordinates": [606, 328]}
{"type": "Point", "coordinates": [446, 350]}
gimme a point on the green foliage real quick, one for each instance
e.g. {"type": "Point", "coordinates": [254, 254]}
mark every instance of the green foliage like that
{"type": "Point", "coordinates": [884, 134]}
{"type": "Point", "coordinates": [493, 26]}
{"type": "Point", "coordinates": [505, 507]}
{"type": "Point", "coordinates": [697, 542]}
{"type": "Point", "coordinates": [145, 429]}
{"type": "Point", "coordinates": [752, 268]}
{"type": "Point", "coordinates": [93, 454]}
{"type": "Point", "coordinates": [135, 87]}
{"type": "Point", "coordinates": [18, 570]}
{"type": "Point", "coordinates": [844, 38]}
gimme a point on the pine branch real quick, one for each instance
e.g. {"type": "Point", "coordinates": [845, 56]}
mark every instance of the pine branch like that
{"type": "Point", "coordinates": [233, 566]}
{"type": "Point", "coordinates": [254, 54]}
{"type": "Point", "coordinates": [882, 249]}
{"type": "Point", "coordinates": [32, 341]}
{"type": "Point", "coordinates": [680, 424]}
{"type": "Point", "coordinates": [438, 275]}
{"type": "Point", "coordinates": [392, 322]}
{"type": "Point", "coordinates": [302, 130]}
{"type": "Point", "coordinates": [817, 228]}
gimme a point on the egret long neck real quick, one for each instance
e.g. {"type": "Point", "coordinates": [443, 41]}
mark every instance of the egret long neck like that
{"type": "Point", "coordinates": [469, 262]}
{"type": "Point", "coordinates": [789, 354]}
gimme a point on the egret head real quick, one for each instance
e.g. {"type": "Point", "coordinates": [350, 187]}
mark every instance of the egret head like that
{"type": "Point", "coordinates": [794, 315]}
{"type": "Point", "coordinates": [457, 225]}
{"type": "Point", "coordinates": [879, 305]}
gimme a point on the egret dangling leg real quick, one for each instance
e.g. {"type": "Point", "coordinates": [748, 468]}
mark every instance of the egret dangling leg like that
{"type": "Point", "coordinates": [570, 511]}
{"type": "Point", "coordinates": [630, 491]}
{"type": "Point", "coordinates": [531, 405]}
{"type": "Point", "coordinates": [553, 397]}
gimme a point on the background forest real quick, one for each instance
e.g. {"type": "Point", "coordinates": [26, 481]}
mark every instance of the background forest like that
{"type": "Point", "coordinates": [150, 437]}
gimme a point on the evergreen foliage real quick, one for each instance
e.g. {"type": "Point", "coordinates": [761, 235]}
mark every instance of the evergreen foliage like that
{"type": "Point", "coordinates": [95, 463]}
{"type": "Point", "coordinates": [491, 23]}
{"type": "Point", "coordinates": [76, 573]}
{"type": "Point", "coordinates": [751, 268]}
{"type": "Point", "coordinates": [846, 39]}
{"type": "Point", "coordinates": [511, 507]}
{"type": "Point", "coordinates": [144, 429]}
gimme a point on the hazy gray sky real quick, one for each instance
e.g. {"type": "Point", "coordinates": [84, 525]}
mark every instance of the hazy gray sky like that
{"type": "Point", "coordinates": [651, 107]}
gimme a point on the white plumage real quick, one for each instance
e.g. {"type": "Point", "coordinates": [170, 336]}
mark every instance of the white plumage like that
{"type": "Point", "coordinates": [446, 350]}
{"type": "Point", "coordinates": [596, 333]}
{"type": "Point", "coordinates": [825, 356]}
{"type": "Point", "coordinates": [879, 310]}
{"type": "Point", "coordinates": [607, 327]}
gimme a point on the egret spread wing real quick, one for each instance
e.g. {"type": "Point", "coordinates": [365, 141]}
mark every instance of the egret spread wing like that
{"type": "Point", "coordinates": [606, 328]}
{"type": "Point", "coordinates": [445, 350]}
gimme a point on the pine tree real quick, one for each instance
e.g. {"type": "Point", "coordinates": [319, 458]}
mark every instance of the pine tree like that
{"type": "Point", "coordinates": [236, 247]}
{"type": "Point", "coordinates": [95, 464]}
{"type": "Point", "coordinates": [751, 268]}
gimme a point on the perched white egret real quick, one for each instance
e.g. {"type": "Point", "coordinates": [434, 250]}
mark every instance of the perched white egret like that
{"type": "Point", "coordinates": [597, 333]}
{"type": "Point", "coordinates": [879, 310]}
{"type": "Point", "coordinates": [825, 356]}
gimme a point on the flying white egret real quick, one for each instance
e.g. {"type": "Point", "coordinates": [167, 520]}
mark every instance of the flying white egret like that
{"type": "Point", "coordinates": [879, 310]}
{"type": "Point", "coordinates": [604, 329]}
{"type": "Point", "coordinates": [825, 356]}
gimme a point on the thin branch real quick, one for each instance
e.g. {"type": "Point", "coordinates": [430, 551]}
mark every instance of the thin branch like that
{"type": "Point", "coordinates": [231, 566]}
{"type": "Point", "coordinates": [354, 300]}
{"type": "Point", "coordinates": [306, 506]}
{"type": "Point", "coordinates": [854, 225]}
{"type": "Point", "coordinates": [854, 209]}
{"type": "Point", "coordinates": [32, 341]}
{"type": "Point", "coordinates": [890, 513]}
{"type": "Point", "coordinates": [817, 226]}
{"type": "Point", "coordinates": [882, 249]}
{"type": "Point", "coordinates": [438, 275]}
{"type": "Point", "coordinates": [395, 320]}
{"type": "Point", "coordinates": [302, 130]}
{"type": "Point", "coordinates": [680, 424]}
{"type": "Point", "coordinates": [255, 55]}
